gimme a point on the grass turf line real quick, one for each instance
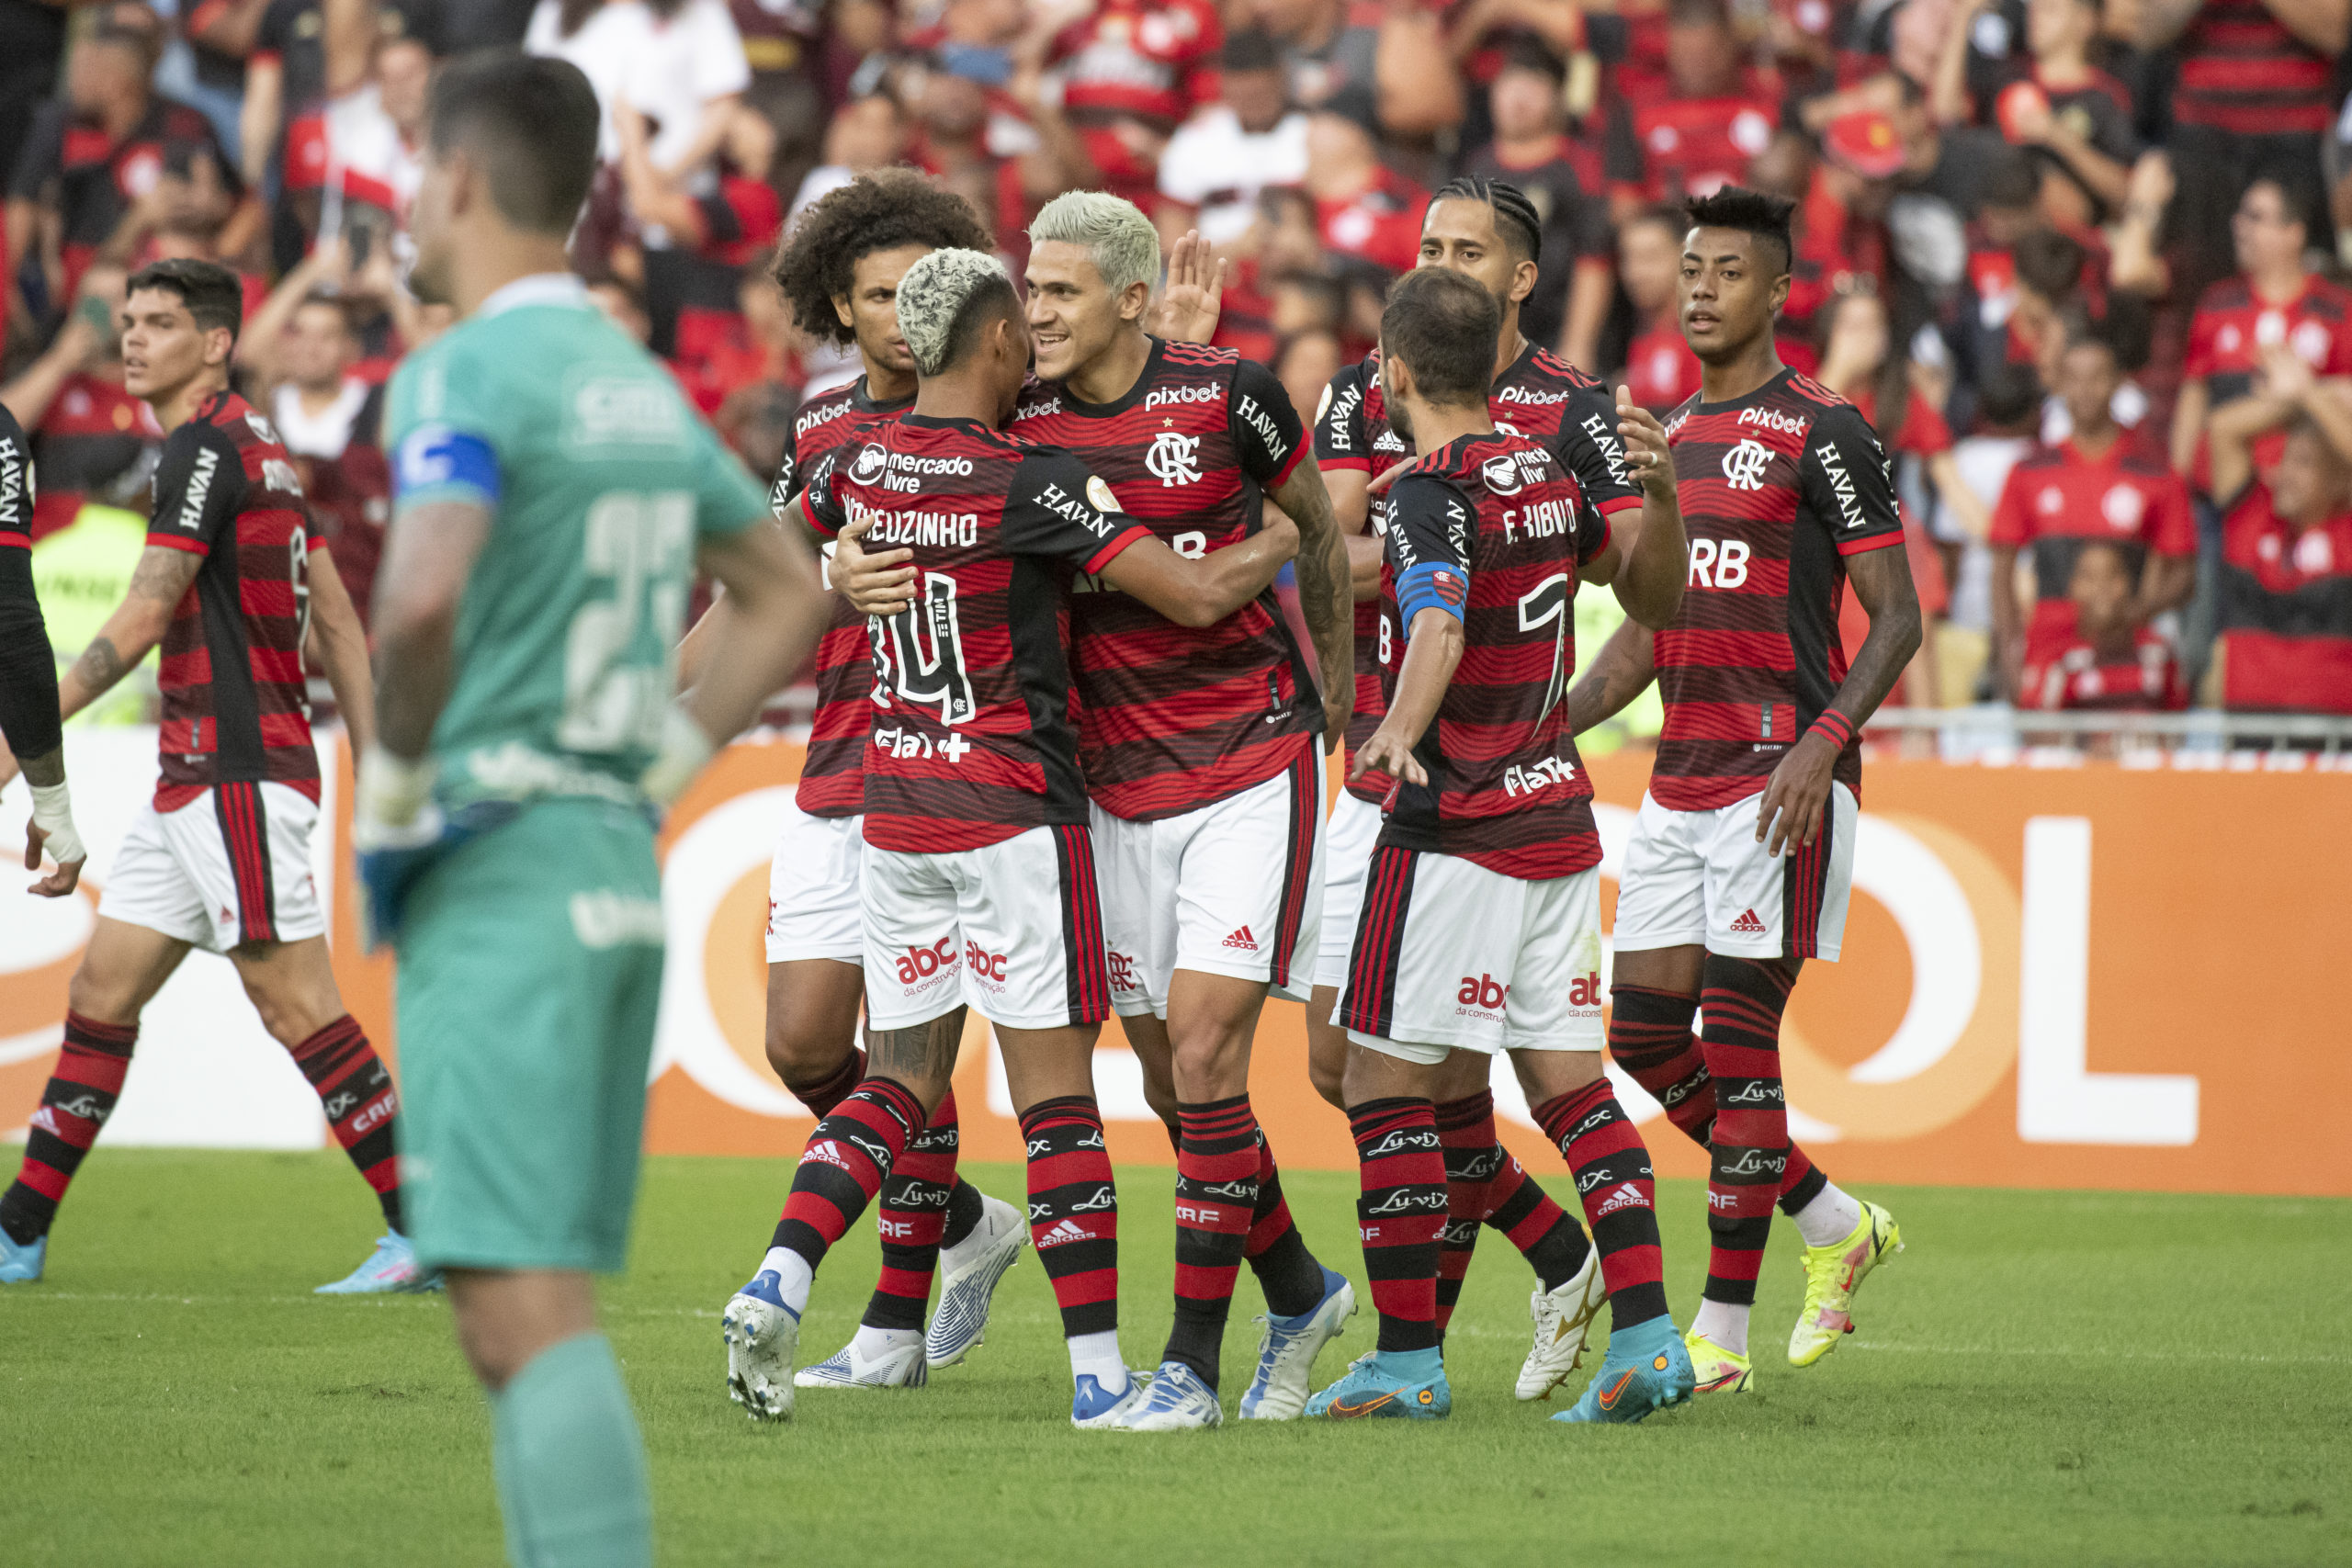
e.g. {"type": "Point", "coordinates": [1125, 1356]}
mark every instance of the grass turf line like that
{"type": "Point", "coordinates": [2058, 1376]}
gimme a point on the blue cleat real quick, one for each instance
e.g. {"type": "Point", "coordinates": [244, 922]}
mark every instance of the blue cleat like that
{"type": "Point", "coordinates": [21, 1261]}
{"type": "Point", "coordinates": [763, 1334]}
{"type": "Point", "coordinates": [1095, 1408]}
{"type": "Point", "coordinates": [1179, 1402]}
{"type": "Point", "coordinates": [1647, 1368]}
{"type": "Point", "coordinates": [1287, 1355]}
{"type": "Point", "coordinates": [391, 1271]}
{"type": "Point", "coordinates": [1406, 1385]}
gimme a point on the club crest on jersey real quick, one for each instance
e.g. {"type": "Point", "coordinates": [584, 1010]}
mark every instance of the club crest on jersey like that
{"type": "Point", "coordinates": [1745, 464]}
{"type": "Point", "coordinates": [871, 462]}
{"type": "Point", "coordinates": [1174, 459]}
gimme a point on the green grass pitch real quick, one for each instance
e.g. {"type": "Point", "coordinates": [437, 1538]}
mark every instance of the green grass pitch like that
{"type": "Point", "coordinates": [2041, 1377]}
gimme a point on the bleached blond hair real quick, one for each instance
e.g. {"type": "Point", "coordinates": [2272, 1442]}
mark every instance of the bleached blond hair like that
{"type": "Point", "coordinates": [937, 296]}
{"type": "Point", "coordinates": [1118, 238]}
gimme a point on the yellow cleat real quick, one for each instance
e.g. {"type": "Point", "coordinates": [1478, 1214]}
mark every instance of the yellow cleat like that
{"type": "Point", "coordinates": [1716, 1369]}
{"type": "Point", "coordinates": [1832, 1275]}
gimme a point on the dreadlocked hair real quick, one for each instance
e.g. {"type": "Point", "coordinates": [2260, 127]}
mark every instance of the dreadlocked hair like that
{"type": "Point", "coordinates": [1525, 232]}
{"type": "Point", "coordinates": [879, 212]}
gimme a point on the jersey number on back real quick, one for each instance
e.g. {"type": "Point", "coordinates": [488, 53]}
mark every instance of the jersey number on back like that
{"type": "Point", "coordinates": [1548, 605]}
{"type": "Point", "coordinates": [619, 662]}
{"type": "Point", "coordinates": [919, 654]}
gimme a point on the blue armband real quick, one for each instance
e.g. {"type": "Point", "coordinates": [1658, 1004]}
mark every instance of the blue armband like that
{"type": "Point", "coordinates": [1431, 585]}
{"type": "Point", "coordinates": [435, 459]}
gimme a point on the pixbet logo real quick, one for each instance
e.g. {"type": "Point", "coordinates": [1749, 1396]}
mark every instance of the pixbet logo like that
{"type": "Point", "coordinates": [1772, 419]}
{"type": "Point", "coordinates": [1160, 395]}
{"type": "Point", "coordinates": [920, 964]}
{"type": "Point", "coordinates": [1745, 464]}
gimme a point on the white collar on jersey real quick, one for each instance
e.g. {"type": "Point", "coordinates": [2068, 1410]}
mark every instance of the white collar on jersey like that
{"type": "Point", "coordinates": [538, 289]}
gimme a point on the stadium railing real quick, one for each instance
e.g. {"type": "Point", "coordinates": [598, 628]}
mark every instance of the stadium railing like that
{"type": "Point", "coordinates": [2200, 737]}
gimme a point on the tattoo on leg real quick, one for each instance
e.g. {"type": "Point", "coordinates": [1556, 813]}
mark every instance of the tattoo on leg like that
{"type": "Point", "coordinates": [924, 1051]}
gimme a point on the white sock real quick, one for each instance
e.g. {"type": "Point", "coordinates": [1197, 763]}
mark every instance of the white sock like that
{"type": "Point", "coordinates": [873, 1343]}
{"type": "Point", "coordinates": [1099, 1354]}
{"type": "Point", "coordinates": [1830, 1217]}
{"type": "Point", "coordinates": [1721, 1324]}
{"type": "Point", "coordinates": [796, 1276]}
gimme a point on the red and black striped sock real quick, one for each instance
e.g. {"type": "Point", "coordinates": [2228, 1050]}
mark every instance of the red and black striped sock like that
{"type": "Point", "coordinates": [1473, 1158]}
{"type": "Point", "coordinates": [821, 1096]}
{"type": "Point", "coordinates": [848, 1158]}
{"type": "Point", "coordinates": [79, 1099]}
{"type": "Point", "coordinates": [1516, 1204]}
{"type": "Point", "coordinates": [1074, 1211]}
{"type": "Point", "coordinates": [1650, 1036]}
{"type": "Point", "coordinates": [911, 1218]}
{"type": "Point", "coordinates": [1743, 1003]}
{"type": "Point", "coordinates": [1400, 1213]}
{"type": "Point", "coordinates": [1276, 1253]}
{"type": "Point", "coordinates": [1612, 1165]}
{"type": "Point", "coordinates": [1216, 1200]}
{"type": "Point", "coordinates": [357, 1094]}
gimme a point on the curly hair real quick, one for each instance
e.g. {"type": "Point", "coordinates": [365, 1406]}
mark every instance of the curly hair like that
{"type": "Point", "coordinates": [879, 212]}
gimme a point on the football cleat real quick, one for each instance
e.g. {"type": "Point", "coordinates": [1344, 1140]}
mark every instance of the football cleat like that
{"type": "Point", "coordinates": [1714, 1370]}
{"type": "Point", "coordinates": [962, 1318]}
{"type": "Point", "coordinates": [1179, 1402]}
{"type": "Point", "coordinates": [1646, 1369]}
{"type": "Point", "coordinates": [22, 1261]}
{"type": "Point", "coordinates": [1832, 1276]}
{"type": "Point", "coordinates": [901, 1366]}
{"type": "Point", "coordinates": [1563, 1322]}
{"type": "Point", "coordinates": [1376, 1388]}
{"type": "Point", "coordinates": [1094, 1408]}
{"type": "Point", "coordinates": [390, 1269]}
{"type": "Point", "coordinates": [762, 1334]}
{"type": "Point", "coordinates": [1286, 1352]}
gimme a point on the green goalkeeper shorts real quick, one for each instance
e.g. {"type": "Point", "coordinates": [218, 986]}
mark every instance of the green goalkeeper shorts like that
{"type": "Point", "coordinates": [530, 976]}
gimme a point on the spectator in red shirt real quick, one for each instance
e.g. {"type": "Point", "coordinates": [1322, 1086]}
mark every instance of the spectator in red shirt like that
{"type": "Point", "coordinates": [1660, 371]}
{"type": "Point", "coordinates": [1132, 72]}
{"type": "Point", "coordinates": [1362, 207]}
{"type": "Point", "coordinates": [2095, 484]}
{"type": "Point", "coordinates": [2076, 118]}
{"type": "Point", "coordinates": [1698, 136]}
{"type": "Point", "coordinates": [1532, 151]}
{"type": "Point", "coordinates": [91, 440]}
{"type": "Point", "coordinates": [2286, 588]}
{"type": "Point", "coordinates": [2111, 663]}
{"type": "Point", "coordinates": [2274, 302]}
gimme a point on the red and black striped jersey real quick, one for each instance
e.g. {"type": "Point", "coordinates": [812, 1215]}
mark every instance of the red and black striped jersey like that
{"type": "Point", "coordinates": [2242, 71]}
{"type": "Point", "coordinates": [2233, 327]}
{"type": "Point", "coordinates": [1777, 489]}
{"type": "Point", "coordinates": [1491, 528]}
{"type": "Point", "coordinates": [236, 706]}
{"type": "Point", "coordinates": [2285, 609]}
{"type": "Point", "coordinates": [1540, 396]}
{"type": "Point", "coordinates": [972, 740]}
{"type": "Point", "coordinates": [833, 777]}
{"type": "Point", "coordinates": [2058, 498]}
{"type": "Point", "coordinates": [2142, 677]}
{"type": "Point", "coordinates": [1172, 718]}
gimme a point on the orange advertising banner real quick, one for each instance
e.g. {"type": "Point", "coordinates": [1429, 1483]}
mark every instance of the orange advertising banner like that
{"type": "Point", "coordinates": [2093, 977]}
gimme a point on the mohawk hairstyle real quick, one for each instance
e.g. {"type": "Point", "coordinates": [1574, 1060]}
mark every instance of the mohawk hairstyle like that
{"type": "Point", "coordinates": [1752, 212]}
{"type": "Point", "coordinates": [1515, 218]}
{"type": "Point", "coordinates": [944, 299]}
{"type": "Point", "coordinates": [879, 212]}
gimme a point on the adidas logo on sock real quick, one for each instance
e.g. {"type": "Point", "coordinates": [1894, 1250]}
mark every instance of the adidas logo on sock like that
{"type": "Point", "coordinates": [1069, 1229]}
{"type": "Point", "coordinates": [1242, 940]}
{"type": "Point", "coordinates": [1748, 925]}
{"type": "Point", "coordinates": [1625, 1196]}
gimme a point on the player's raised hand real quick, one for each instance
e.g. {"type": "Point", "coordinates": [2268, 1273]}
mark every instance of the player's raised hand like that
{"type": "Point", "coordinates": [1646, 456]}
{"type": "Point", "coordinates": [1797, 793]}
{"type": "Point", "coordinates": [878, 584]}
{"type": "Point", "coordinates": [1194, 299]}
{"type": "Point", "coordinates": [1388, 753]}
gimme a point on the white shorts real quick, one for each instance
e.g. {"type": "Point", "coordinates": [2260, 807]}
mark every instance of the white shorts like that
{"type": "Point", "coordinates": [1699, 879]}
{"type": "Point", "coordinates": [230, 867]}
{"type": "Point", "coordinates": [1234, 889]}
{"type": "Point", "coordinates": [815, 908]}
{"type": "Point", "coordinates": [1347, 836]}
{"type": "Point", "coordinates": [1452, 956]}
{"type": "Point", "coordinates": [1013, 929]}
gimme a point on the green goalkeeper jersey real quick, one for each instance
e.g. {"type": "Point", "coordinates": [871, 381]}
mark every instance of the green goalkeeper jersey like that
{"type": "Point", "coordinates": [600, 478]}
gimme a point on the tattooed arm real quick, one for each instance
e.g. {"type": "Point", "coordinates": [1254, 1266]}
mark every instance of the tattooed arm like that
{"type": "Point", "coordinates": [1326, 593]}
{"type": "Point", "coordinates": [137, 625]}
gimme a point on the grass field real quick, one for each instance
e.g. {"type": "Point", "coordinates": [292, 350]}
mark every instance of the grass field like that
{"type": "Point", "coordinates": [2043, 1377]}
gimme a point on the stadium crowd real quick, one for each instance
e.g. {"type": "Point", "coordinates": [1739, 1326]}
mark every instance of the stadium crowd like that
{"type": "Point", "coordinates": [2077, 261]}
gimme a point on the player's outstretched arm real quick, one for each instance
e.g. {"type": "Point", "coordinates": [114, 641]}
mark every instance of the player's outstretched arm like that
{"type": "Point", "coordinates": [764, 628]}
{"type": "Point", "coordinates": [1648, 571]}
{"type": "Point", "coordinates": [1203, 591]}
{"type": "Point", "coordinates": [1326, 592]}
{"type": "Point", "coordinates": [1431, 656]}
{"type": "Point", "coordinates": [337, 647]}
{"type": "Point", "coordinates": [1620, 671]}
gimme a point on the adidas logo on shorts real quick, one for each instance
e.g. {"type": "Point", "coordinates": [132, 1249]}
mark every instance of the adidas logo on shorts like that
{"type": "Point", "coordinates": [1748, 925]}
{"type": "Point", "coordinates": [1242, 940]}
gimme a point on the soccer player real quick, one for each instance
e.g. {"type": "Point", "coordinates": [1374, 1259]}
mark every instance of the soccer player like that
{"type": "Point", "coordinates": [243, 599]}
{"type": "Point", "coordinates": [1743, 852]}
{"type": "Point", "coordinates": [28, 722]}
{"type": "Point", "coordinates": [840, 273]}
{"type": "Point", "coordinates": [1199, 749]}
{"type": "Point", "coordinates": [555, 495]}
{"type": "Point", "coordinates": [1481, 931]}
{"type": "Point", "coordinates": [980, 871]}
{"type": "Point", "coordinates": [1488, 231]}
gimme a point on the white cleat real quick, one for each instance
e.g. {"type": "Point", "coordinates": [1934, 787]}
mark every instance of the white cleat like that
{"type": "Point", "coordinates": [1563, 1319]}
{"type": "Point", "coordinates": [762, 1334]}
{"type": "Point", "coordinates": [1286, 1352]}
{"type": "Point", "coordinates": [1178, 1402]}
{"type": "Point", "coordinates": [900, 1365]}
{"type": "Point", "coordinates": [1093, 1410]}
{"type": "Point", "coordinates": [962, 1318]}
